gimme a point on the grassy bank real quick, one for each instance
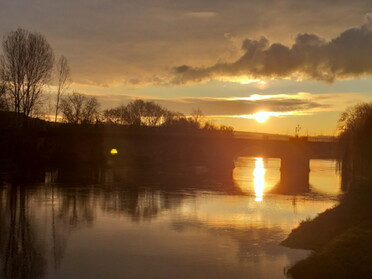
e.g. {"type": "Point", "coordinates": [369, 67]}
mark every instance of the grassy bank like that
{"type": "Point", "coordinates": [341, 239]}
{"type": "Point", "coordinates": [348, 255]}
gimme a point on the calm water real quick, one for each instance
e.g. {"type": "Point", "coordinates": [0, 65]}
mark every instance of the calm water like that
{"type": "Point", "coordinates": [118, 230]}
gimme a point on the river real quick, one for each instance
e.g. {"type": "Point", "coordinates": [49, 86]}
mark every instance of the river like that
{"type": "Point", "coordinates": [123, 229]}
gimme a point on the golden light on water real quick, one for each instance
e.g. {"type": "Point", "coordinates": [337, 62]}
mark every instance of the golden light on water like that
{"type": "Point", "coordinates": [259, 179]}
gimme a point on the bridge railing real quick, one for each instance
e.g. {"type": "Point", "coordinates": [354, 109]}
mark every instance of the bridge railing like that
{"type": "Point", "coordinates": [273, 137]}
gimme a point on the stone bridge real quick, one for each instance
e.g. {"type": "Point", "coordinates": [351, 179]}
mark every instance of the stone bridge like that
{"type": "Point", "coordinates": [295, 155]}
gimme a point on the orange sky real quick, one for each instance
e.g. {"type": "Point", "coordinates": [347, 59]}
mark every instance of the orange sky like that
{"type": "Point", "coordinates": [300, 62]}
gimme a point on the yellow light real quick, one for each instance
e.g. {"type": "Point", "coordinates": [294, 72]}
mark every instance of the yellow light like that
{"type": "Point", "coordinates": [261, 116]}
{"type": "Point", "coordinates": [259, 179]}
{"type": "Point", "coordinates": [114, 151]}
{"type": "Point", "coordinates": [249, 81]}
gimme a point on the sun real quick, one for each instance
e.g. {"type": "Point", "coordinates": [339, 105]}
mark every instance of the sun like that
{"type": "Point", "coordinates": [261, 116]}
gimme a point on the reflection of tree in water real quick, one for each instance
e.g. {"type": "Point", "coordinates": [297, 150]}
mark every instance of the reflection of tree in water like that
{"type": "Point", "coordinates": [22, 254]}
{"type": "Point", "coordinates": [24, 239]}
{"type": "Point", "coordinates": [35, 221]}
{"type": "Point", "coordinates": [136, 197]}
{"type": "Point", "coordinates": [75, 206]}
{"type": "Point", "coordinates": [138, 204]}
{"type": "Point", "coordinates": [140, 194]}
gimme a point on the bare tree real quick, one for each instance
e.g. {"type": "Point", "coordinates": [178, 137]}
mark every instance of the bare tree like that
{"type": "Point", "coordinates": [25, 68]}
{"type": "Point", "coordinates": [63, 80]}
{"type": "Point", "coordinates": [3, 101]}
{"type": "Point", "coordinates": [71, 107]}
{"type": "Point", "coordinates": [118, 115]}
{"type": "Point", "coordinates": [147, 113]}
{"type": "Point", "coordinates": [80, 109]}
{"type": "Point", "coordinates": [197, 116]}
{"type": "Point", "coordinates": [154, 114]}
{"type": "Point", "coordinates": [172, 116]}
{"type": "Point", "coordinates": [136, 111]}
{"type": "Point", "coordinates": [90, 110]}
{"type": "Point", "coordinates": [175, 119]}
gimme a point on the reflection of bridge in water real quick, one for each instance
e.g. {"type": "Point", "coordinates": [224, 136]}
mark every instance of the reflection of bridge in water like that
{"type": "Point", "coordinates": [295, 155]}
{"type": "Point", "coordinates": [174, 151]}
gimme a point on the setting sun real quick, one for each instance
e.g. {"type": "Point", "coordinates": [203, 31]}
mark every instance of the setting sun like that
{"type": "Point", "coordinates": [261, 116]}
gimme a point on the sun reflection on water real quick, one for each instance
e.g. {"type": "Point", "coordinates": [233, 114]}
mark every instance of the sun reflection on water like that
{"type": "Point", "coordinates": [259, 179]}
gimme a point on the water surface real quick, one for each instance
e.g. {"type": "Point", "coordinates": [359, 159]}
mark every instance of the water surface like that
{"type": "Point", "coordinates": [113, 229]}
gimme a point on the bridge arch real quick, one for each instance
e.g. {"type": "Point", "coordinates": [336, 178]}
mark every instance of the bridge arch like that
{"type": "Point", "coordinates": [295, 155]}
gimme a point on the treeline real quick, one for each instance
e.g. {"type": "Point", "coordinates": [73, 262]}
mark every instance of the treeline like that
{"type": "Point", "coordinates": [28, 67]}
{"type": "Point", "coordinates": [355, 137]}
{"type": "Point", "coordinates": [77, 108]}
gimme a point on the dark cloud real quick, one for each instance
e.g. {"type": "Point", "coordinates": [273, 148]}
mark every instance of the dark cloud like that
{"type": "Point", "coordinates": [212, 106]}
{"type": "Point", "coordinates": [347, 55]}
{"type": "Point", "coordinates": [115, 41]}
{"type": "Point", "coordinates": [230, 107]}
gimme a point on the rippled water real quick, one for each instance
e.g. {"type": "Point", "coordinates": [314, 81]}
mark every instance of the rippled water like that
{"type": "Point", "coordinates": [126, 230]}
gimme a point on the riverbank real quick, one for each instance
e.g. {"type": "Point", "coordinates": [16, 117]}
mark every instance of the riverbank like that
{"type": "Point", "coordinates": [341, 239]}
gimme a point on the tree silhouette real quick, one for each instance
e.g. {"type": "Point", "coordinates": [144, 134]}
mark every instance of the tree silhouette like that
{"type": "Point", "coordinates": [197, 116]}
{"type": "Point", "coordinates": [25, 68]}
{"type": "Point", "coordinates": [118, 115]}
{"type": "Point", "coordinates": [355, 127]}
{"type": "Point", "coordinates": [63, 80]}
{"type": "Point", "coordinates": [138, 112]}
{"type": "Point", "coordinates": [3, 101]}
{"type": "Point", "coordinates": [80, 109]}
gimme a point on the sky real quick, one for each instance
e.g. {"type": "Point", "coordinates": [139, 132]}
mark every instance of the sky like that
{"type": "Point", "coordinates": [287, 62]}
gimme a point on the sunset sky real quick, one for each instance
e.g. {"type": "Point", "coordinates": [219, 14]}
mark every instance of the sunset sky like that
{"type": "Point", "coordinates": [302, 62]}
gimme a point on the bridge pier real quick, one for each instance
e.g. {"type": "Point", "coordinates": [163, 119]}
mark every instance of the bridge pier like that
{"type": "Point", "coordinates": [295, 154]}
{"type": "Point", "coordinates": [294, 174]}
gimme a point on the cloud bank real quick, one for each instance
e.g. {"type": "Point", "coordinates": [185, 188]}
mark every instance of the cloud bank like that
{"type": "Point", "coordinates": [347, 55]}
{"type": "Point", "coordinates": [137, 42]}
{"type": "Point", "coordinates": [283, 104]}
